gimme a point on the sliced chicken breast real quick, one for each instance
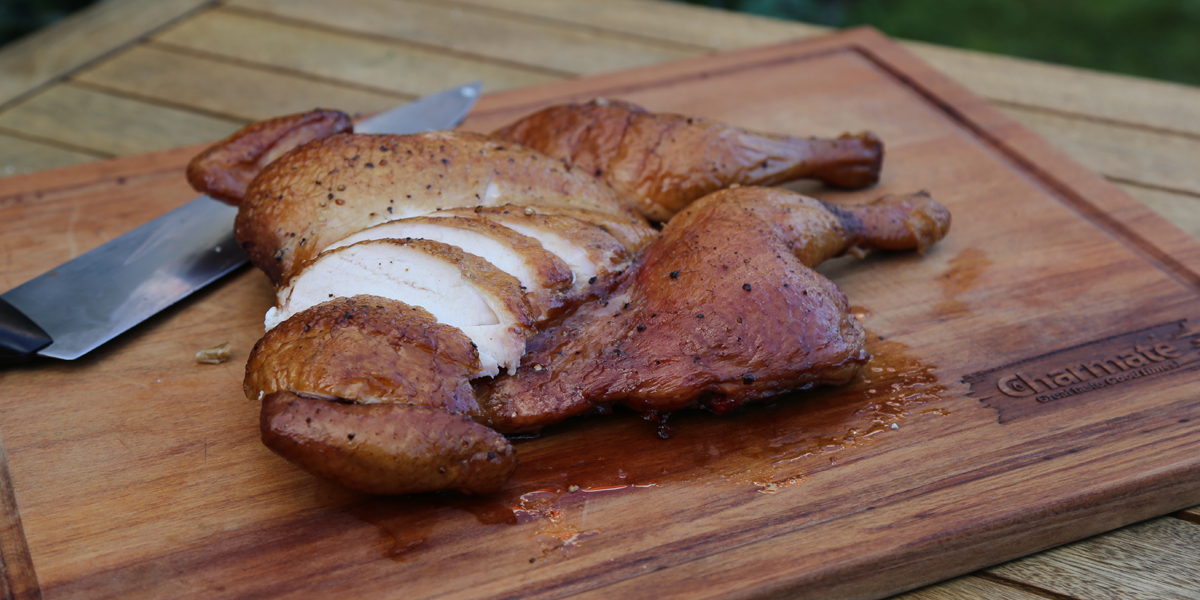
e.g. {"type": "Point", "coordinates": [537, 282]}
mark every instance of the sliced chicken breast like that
{"type": "Point", "coordinates": [458, 289]}
{"type": "Point", "coordinates": [544, 276]}
{"type": "Point", "coordinates": [328, 189]}
{"type": "Point", "coordinates": [594, 256]}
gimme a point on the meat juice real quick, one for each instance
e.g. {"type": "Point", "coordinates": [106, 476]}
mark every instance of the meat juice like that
{"type": "Point", "coordinates": [764, 448]}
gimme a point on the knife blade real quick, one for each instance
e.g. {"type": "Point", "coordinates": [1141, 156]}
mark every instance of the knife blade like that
{"type": "Point", "coordinates": [75, 307]}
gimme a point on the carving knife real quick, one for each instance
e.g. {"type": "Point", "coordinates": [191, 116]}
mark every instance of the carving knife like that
{"type": "Point", "coordinates": [75, 307]}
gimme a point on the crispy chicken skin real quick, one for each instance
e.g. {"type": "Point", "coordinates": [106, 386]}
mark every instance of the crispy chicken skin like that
{"type": "Point", "coordinates": [371, 393]}
{"type": "Point", "coordinates": [225, 170]}
{"type": "Point", "coordinates": [388, 448]}
{"type": "Point", "coordinates": [330, 188]}
{"type": "Point", "coordinates": [724, 309]}
{"type": "Point", "coordinates": [666, 161]}
{"type": "Point", "coordinates": [366, 349]}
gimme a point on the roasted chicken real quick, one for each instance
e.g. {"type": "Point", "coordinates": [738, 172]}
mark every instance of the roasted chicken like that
{"type": "Point", "coordinates": [438, 290]}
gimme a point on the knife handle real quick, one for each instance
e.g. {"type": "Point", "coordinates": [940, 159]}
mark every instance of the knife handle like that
{"type": "Point", "coordinates": [20, 338]}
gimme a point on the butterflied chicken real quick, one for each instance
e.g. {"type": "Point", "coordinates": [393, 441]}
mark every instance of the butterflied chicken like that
{"type": "Point", "coordinates": [440, 289]}
{"type": "Point", "coordinates": [723, 309]}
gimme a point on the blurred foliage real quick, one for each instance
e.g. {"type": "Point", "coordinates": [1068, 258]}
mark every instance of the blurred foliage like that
{"type": "Point", "coordinates": [20, 17]}
{"type": "Point", "coordinates": [1150, 38]}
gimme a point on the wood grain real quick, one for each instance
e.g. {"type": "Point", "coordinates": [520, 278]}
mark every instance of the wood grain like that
{"type": "Point", "coordinates": [518, 41]}
{"type": "Point", "coordinates": [250, 94]}
{"type": "Point", "coordinates": [1127, 154]}
{"type": "Point", "coordinates": [1070, 91]}
{"type": "Point", "coordinates": [81, 39]}
{"type": "Point", "coordinates": [141, 475]}
{"type": "Point", "coordinates": [969, 587]}
{"type": "Point", "coordinates": [690, 27]}
{"type": "Point", "coordinates": [1155, 560]}
{"type": "Point", "coordinates": [1180, 209]}
{"type": "Point", "coordinates": [19, 155]}
{"type": "Point", "coordinates": [336, 56]}
{"type": "Point", "coordinates": [94, 121]}
{"type": "Point", "coordinates": [17, 578]}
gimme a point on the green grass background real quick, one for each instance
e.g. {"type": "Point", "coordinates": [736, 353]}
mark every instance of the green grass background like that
{"type": "Point", "coordinates": [1149, 38]}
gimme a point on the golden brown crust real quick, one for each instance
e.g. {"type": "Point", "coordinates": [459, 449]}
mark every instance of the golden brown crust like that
{"type": "Point", "coordinates": [387, 448]}
{"type": "Point", "coordinates": [915, 221]}
{"type": "Point", "coordinates": [330, 188]}
{"type": "Point", "coordinates": [226, 168]}
{"type": "Point", "coordinates": [724, 309]}
{"type": "Point", "coordinates": [666, 161]}
{"type": "Point", "coordinates": [369, 350]}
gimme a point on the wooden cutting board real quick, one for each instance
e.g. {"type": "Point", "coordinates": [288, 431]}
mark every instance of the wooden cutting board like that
{"type": "Point", "coordinates": [1035, 382]}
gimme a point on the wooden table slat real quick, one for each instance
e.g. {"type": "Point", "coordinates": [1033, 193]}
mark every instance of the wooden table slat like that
{"type": "Point", "coordinates": [19, 155]}
{"type": "Point", "coordinates": [1181, 209]}
{"type": "Point", "coordinates": [100, 122]}
{"type": "Point", "coordinates": [249, 93]}
{"type": "Point", "coordinates": [1155, 560]}
{"type": "Point", "coordinates": [1135, 155]}
{"type": "Point", "coordinates": [689, 26]}
{"type": "Point", "coordinates": [970, 587]}
{"type": "Point", "coordinates": [82, 38]}
{"type": "Point", "coordinates": [531, 43]}
{"type": "Point", "coordinates": [337, 56]}
{"type": "Point", "coordinates": [1121, 98]}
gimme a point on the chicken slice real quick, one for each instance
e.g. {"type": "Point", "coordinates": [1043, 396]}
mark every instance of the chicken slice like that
{"type": "Point", "coordinates": [458, 289]}
{"type": "Point", "coordinates": [594, 256]}
{"type": "Point", "coordinates": [666, 161]}
{"type": "Point", "coordinates": [632, 232]}
{"type": "Point", "coordinates": [333, 187]}
{"type": "Point", "coordinates": [724, 309]}
{"type": "Point", "coordinates": [544, 276]}
{"type": "Point", "coordinates": [386, 448]}
{"type": "Point", "coordinates": [226, 168]}
{"type": "Point", "coordinates": [367, 349]}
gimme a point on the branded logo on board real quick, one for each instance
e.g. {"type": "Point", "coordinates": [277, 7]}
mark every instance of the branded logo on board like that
{"type": "Point", "coordinates": [1028, 387]}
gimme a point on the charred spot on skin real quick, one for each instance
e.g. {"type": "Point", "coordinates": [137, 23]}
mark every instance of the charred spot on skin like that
{"type": "Point", "coordinates": [747, 287]}
{"type": "Point", "coordinates": [674, 274]}
{"type": "Point", "coordinates": [349, 436]}
{"type": "Point", "coordinates": [748, 379]}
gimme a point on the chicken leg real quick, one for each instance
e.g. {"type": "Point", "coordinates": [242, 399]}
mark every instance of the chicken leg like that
{"type": "Point", "coordinates": [665, 161]}
{"type": "Point", "coordinates": [724, 309]}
